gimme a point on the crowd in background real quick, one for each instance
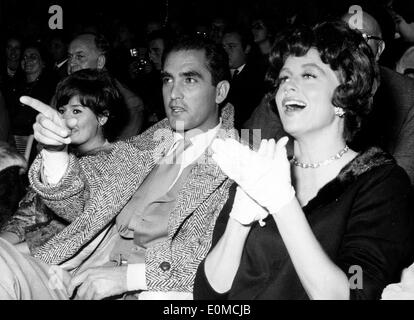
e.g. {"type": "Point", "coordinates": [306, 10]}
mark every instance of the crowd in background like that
{"type": "Point", "coordinates": [133, 57]}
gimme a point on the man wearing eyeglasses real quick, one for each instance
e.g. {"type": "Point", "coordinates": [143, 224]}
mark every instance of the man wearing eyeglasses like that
{"type": "Point", "coordinates": [391, 122]}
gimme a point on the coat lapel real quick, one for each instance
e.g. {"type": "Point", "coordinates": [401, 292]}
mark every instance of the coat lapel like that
{"type": "Point", "coordinates": [204, 178]}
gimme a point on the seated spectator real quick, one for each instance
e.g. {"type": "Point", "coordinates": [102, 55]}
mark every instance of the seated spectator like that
{"type": "Point", "coordinates": [217, 26]}
{"type": "Point", "coordinates": [404, 290]}
{"type": "Point", "coordinates": [38, 83]}
{"type": "Point", "coordinates": [330, 215]}
{"type": "Point", "coordinates": [12, 165]}
{"type": "Point", "coordinates": [89, 50]}
{"type": "Point", "coordinates": [11, 72]}
{"type": "Point", "coordinates": [58, 51]}
{"type": "Point", "coordinates": [147, 79]}
{"type": "Point", "coordinates": [4, 121]}
{"type": "Point", "coordinates": [263, 36]}
{"type": "Point", "coordinates": [247, 82]}
{"type": "Point", "coordinates": [90, 97]}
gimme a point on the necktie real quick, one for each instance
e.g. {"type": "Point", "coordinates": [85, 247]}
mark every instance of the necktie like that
{"type": "Point", "coordinates": [235, 73]}
{"type": "Point", "coordinates": [156, 184]}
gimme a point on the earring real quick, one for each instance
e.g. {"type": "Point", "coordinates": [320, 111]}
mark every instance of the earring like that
{"type": "Point", "coordinates": [339, 112]}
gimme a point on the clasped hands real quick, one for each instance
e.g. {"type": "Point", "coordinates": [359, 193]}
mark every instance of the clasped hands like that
{"type": "Point", "coordinates": [263, 177]}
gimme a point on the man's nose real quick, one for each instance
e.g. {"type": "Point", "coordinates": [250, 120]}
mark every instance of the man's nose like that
{"type": "Point", "coordinates": [176, 91]}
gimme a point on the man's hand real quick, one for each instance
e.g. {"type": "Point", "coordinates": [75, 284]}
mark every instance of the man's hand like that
{"type": "Point", "coordinates": [50, 129]}
{"type": "Point", "coordinates": [99, 283]}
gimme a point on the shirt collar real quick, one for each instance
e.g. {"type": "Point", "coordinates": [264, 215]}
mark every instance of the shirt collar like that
{"type": "Point", "coordinates": [58, 65]}
{"type": "Point", "coordinates": [204, 138]}
{"type": "Point", "coordinates": [239, 69]}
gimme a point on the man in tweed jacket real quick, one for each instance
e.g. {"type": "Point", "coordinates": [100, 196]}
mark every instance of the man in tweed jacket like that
{"type": "Point", "coordinates": [91, 192]}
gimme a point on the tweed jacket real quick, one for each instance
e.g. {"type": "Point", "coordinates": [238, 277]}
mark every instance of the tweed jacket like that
{"type": "Point", "coordinates": [95, 189]}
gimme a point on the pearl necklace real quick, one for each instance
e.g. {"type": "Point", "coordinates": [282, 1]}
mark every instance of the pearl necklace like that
{"type": "Point", "coordinates": [322, 163]}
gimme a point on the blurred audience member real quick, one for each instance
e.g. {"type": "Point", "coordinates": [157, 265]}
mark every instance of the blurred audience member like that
{"type": "Point", "coordinates": [11, 72]}
{"type": "Point", "coordinates": [39, 83]}
{"type": "Point", "coordinates": [153, 25]}
{"type": "Point", "coordinates": [217, 26]}
{"type": "Point", "coordinates": [11, 69]}
{"type": "Point", "coordinates": [89, 50]}
{"type": "Point", "coordinates": [58, 51]}
{"type": "Point", "coordinates": [4, 121]}
{"type": "Point", "coordinates": [262, 32]}
{"type": "Point", "coordinates": [247, 82]}
{"type": "Point", "coordinates": [11, 186]}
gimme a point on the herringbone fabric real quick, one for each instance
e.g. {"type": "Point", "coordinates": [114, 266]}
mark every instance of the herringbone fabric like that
{"type": "Point", "coordinates": [95, 189]}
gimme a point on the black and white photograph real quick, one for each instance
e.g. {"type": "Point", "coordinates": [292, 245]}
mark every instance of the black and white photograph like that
{"type": "Point", "coordinates": [207, 154]}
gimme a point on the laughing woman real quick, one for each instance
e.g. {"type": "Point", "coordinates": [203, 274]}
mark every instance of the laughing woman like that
{"type": "Point", "coordinates": [90, 97]}
{"type": "Point", "coordinates": [334, 224]}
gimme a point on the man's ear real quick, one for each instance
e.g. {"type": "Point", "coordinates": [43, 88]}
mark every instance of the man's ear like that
{"type": "Point", "coordinates": [101, 62]}
{"type": "Point", "coordinates": [222, 89]}
{"type": "Point", "coordinates": [381, 47]}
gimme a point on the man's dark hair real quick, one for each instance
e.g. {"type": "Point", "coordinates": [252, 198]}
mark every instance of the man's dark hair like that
{"type": "Point", "coordinates": [217, 61]}
{"type": "Point", "coordinates": [97, 91]}
{"type": "Point", "coordinates": [347, 54]}
{"type": "Point", "coordinates": [39, 47]}
{"type": "Point", "coordinates": [160, 34]}
{"type": "Point", "coordinates": [245, 35]}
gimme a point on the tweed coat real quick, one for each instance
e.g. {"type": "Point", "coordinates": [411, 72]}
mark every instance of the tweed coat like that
{"type": "Point", "coordinates": [95, 189]}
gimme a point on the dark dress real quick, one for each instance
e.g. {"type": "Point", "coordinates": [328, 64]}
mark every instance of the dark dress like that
{"type": "Point", "coordinates": [23, 117]}
{"type": "Point", "coordinates": [362, 218]}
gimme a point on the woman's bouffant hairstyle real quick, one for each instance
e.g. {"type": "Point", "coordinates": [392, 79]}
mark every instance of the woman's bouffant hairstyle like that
{"type": "Point", "coordinates": [348, 55]}
{"type": "Point", "coordinates": [97, 91]}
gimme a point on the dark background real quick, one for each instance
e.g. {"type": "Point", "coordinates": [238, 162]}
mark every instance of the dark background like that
{"type": "Point", "coordinates": [31, 17]}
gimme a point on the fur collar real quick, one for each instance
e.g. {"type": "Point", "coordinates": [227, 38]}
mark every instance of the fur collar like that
{"type": "Point", "coordinates": [369, 159]}
{"type": "Point", "coordinates": [10, 158]}
{"type": "Point", "coordinates": [364, 162]}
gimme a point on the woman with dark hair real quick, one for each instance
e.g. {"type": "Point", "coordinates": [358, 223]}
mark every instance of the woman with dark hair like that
{"type": "Point", "coordinates": [90, 97]}
{"type": "Point", "coordinates": [333, 224]}
{"type": "Point", "coordinates": [36, 82]}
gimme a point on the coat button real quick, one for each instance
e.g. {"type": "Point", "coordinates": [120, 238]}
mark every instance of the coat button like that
{"type": "Point", "coordinates": [165, 266]}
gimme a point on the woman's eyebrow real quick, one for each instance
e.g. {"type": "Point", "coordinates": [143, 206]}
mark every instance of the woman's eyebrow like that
{"type": "Point", "coordinates": [285, 70]}
{"type": "Point", "coordinates": [313, 65]}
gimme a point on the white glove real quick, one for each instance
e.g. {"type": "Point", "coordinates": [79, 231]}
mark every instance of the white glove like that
{"type": "Point", "coordinates": [263, 175]}
{"type": "Point", "coordinates": [403, 290]}
{"type": "Point", "coordinates": [246, 211]}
